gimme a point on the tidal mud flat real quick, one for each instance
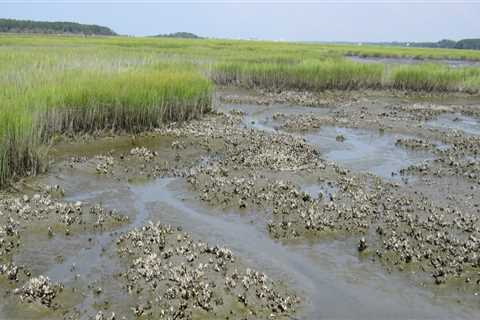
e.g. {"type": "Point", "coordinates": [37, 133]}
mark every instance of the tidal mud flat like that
{"type": "Point", "coordinates": [276, 205]}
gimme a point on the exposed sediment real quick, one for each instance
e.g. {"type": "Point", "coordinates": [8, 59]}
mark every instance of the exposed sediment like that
{"type": "Point", "coordinates": [176, 277]}
{"type": "Point", "coordinates": [425, 220]}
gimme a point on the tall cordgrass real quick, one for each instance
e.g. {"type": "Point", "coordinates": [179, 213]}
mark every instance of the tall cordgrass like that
{"type": "Point", "coordinates": [130, 101]}
{"type": "Point", "coordinates": [307, 75]}
{"type": "Point", "coordinates": [434, 77]}
{"type": "Point", "coordinates": [87, 101]}
{"type": "Point", "coordinates": [18, 146]}
{"type": "Point", "coordinates": [346, 75]}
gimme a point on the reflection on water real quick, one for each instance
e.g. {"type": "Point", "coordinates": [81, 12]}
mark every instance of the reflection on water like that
{"type": "Point", "coordinates": [468, 125]}
{"type": "Point", "coordinates": [365, 150]}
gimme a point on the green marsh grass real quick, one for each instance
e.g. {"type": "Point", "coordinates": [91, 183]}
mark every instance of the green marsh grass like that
{"type": "Point", "coordinates": [89, 101]}
{"type": "Point", "coordinates": [65, 84]}
{"type": "Point", "coordinates": [307, 75]}
{"type": "Point", "coordinates": [130, 101]}
{"type": "Point", "coordinates": [426, 78]}
{"type": "Point", "coordinates": [434, 77]}
{"type": "Point", "coordinates": [340, 74]}
{"type": "Point", "coordinates": [217, 48]}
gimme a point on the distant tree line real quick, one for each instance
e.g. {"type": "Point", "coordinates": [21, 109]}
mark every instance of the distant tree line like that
{"type": "Point", "coordinates": [472, 44]}
{"type": "Point", "coordinates": [185, 35]}
{"type": "Point", "coordinates": [27, 26]}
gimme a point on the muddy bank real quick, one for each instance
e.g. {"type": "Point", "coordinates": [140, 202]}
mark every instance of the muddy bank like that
{"type": "Point", "coordinates": [175, 276]}
{"type": "Point", "coordinates": [351, 207]}
{"type": "Point", "coordinates": [390, 213]}
{"type": "Point", "coordinates": [80, 269]}
{"type": "Point", "coordinates": [38, 230]}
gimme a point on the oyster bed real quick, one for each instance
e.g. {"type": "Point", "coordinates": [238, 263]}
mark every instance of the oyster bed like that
{"type": "Point", "coordinates": [259, 210]}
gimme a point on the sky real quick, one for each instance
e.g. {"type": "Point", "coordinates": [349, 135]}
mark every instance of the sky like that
{"type": "Point", "coordinates": [356, 21]}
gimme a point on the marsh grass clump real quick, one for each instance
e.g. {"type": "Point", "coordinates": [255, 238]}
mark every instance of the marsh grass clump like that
{"type": "Point", "coordinates": [306, 75]}
{"type": "Point", "coordinates": [435, 77]}
{"type": "Point", "coordinates": [131, 101]}
{"type": "Point", "coordinates": [18, 152]}
{"type": "Point", "coordinates": [339, 74]}
{"type": "Point", "coordinates": [379, 51]}
{"type": "Point", "coordinates": [427, 77]}
{"type": "Point", "coordinates": [90, 101]}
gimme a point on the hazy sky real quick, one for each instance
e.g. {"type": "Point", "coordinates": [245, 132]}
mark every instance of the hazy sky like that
{"type": "Point", "coordinates": [275, 20]}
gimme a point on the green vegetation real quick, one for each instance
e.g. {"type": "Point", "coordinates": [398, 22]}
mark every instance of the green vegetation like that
{"type": "Point", "coordinates": [181, 35]}
{"type": "Point", "coordinates": [77, 96]}
{"type": "Point", "coordinates": [434, 77]}
{"type": "Point", "coordinates": [65, 85]}
{"type": "Point", "coordinates": [27, 26]}
{"type": "Point", "coordinates": [131, 100]}
{"type": "Point", "coordinates": [346, 75]}
{"type": "Point", "coordinates": [307, 75]}
{"type": "Point", "coordinates": [248, 50]}
{"type": "Point", "coordinates": [408, 52]}
{"type": "Point", "coordinates": [473, 44]}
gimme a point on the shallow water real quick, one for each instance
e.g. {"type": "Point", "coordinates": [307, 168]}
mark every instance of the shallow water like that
{"type": "Point", "coordinates": [468, 125]}
{"type": "Point", "coordinates": [336, 282]}
{"type": "Point", "coordinates": [363, 150]}
{"type": "Point", "coordinates": [262, 117]}
{"type": "Point", "coordinates": [87, 258]}
{"type": "Point", "coordinates": [322, 190]}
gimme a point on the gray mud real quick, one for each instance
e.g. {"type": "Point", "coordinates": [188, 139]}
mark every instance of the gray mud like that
{"type": "Point", "coordinates": [336, 281]}
{"type": "Point", "coordinates": [259, 209]}
{"type": "Point", "coordinates": [466, 124]}
{"type": "Point", "coordinates": [359, 149]}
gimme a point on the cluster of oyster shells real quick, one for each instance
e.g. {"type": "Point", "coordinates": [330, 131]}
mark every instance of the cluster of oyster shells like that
{"type": "Point", "coordinates": [143, 153]}
{"type": "Point", "coordinates": [174, 276]}
{"type": "Point", "coordinates": [304, 98]}
{"type": "Point", "coordinates": [44, 213]}
{"type": "Point", "coordinates": [39, 290]}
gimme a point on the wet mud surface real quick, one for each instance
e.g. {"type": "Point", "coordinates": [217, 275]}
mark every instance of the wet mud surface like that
{"type": "Point", "coordinates": [277, 205]}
